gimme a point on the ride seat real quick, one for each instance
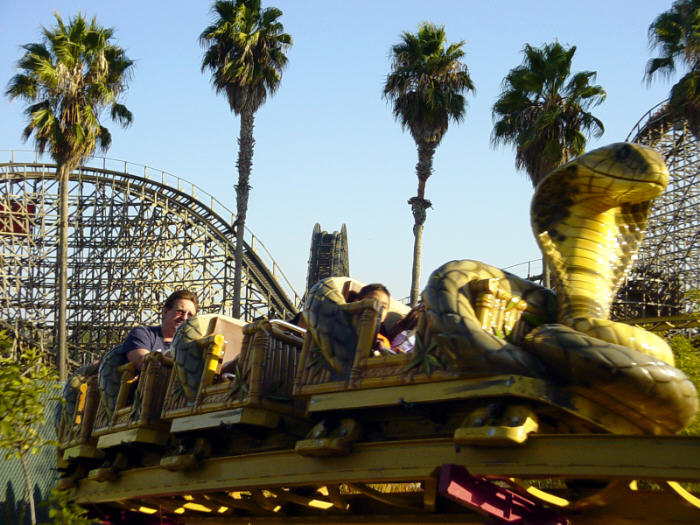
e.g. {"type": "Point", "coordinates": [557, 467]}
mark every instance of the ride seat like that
{"type": "Point", "coordinates": [353, 334]}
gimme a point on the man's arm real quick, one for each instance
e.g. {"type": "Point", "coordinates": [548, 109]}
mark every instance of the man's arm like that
{"type": "Point", "coordinates": [137, 344]}
{"type": "Point", "coordinates": [136, 356]}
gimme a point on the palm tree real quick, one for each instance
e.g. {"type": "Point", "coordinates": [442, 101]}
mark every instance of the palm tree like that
{"type": "Point", "coordinates": [676, 33]}
{"type": "Point", "coordinates": [425, 86]}
{"type": "Point", "coordinates": [69, 80]}
{"type": "Point", "coordinates": [543, 111]}
{"type": "Point", "coordinates": [245, 51]}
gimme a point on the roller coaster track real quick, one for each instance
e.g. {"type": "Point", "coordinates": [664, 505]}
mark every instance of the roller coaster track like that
{"type": "Point", "coordinates": [669, 258]}
{"type": "Point", "coordinates": [182, 207]}
{"type": "Point", "coordinates": [282, 487]}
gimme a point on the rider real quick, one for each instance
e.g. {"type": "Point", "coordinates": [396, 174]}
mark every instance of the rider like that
{"type": "Point", "coordinates": [380, 293]}
{"type": "Point", "coordinates": [178, 307]}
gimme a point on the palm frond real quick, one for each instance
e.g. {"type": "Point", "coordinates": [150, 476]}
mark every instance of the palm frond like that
{"type": "Point", "coordinates": [427, 82]}
{"type": "Point", "coordinates": [542, 109]}
{"type": "Point", "coordinates": [245, 50]}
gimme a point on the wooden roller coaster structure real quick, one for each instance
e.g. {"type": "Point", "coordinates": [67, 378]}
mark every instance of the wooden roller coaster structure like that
{"type": "Point", "coordinates": [136, 234]}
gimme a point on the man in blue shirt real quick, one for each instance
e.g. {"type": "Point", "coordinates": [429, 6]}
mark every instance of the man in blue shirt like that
{"type": "Point", "coordinates": [178, 307]}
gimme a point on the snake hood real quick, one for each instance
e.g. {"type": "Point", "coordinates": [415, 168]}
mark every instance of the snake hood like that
{"type": "Point", "coordinates": [589, 216]}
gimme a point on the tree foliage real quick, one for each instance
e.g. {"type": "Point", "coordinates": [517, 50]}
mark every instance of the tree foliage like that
{"type": "Point", "coordinates": [426, 88]}
{"type": "Point", "coordinates": [688, 360]}
{"type": "Point", "coordinates": [675, 33]}
{"type": "Point", "coordinates": [427, 82]}
{"type": "Point", "coordinates": [245, 52]}
{"type": "Point", "coordinates": [26, 383]}
{"type": "Point", "coordinates": [543, 110]}
{"type": "Point", "coordinates": [69, 79]}
{"type": "Point", "coordinates": [64, 511]}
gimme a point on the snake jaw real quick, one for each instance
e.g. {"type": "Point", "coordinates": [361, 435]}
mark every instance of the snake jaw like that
{"type": "Point", "coordinates": [628, 162]}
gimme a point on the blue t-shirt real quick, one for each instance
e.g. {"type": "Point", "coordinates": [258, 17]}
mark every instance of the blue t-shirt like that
{"type": "Point", "coordinates": [148, 337]}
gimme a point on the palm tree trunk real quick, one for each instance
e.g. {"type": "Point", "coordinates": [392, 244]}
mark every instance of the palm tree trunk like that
{"type": "Point", "coordinates": [28, 489]}
{"type": "Point", "coordinates": [415, 270]}
{"type": "Point", "coordinates": [419, 205]}
{"type": "Point", "coordinates": [63, 171]}
{"type": "Point", "coordinates": [244, 164]}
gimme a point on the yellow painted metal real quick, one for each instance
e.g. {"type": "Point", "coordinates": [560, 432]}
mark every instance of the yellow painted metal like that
{"type": "Point", "coordinates": [247, 415]}
{"type": "Point", "coordinates": [134, 435]}
{"type": "Point", "coordinates": [541, 495]}
{"type": "Point", "coordinates": [213, 355]}
{"type": "Point", "coordinates": [82, 390]}
{"type": "Point", "coordinates": [649, 508]}
{"type": "Point", "coordinates": [345, 519]}
{"type": "Point", "coordinates": [589, 456]}
{"type": "Point", "coordinates": [505, 385]}
{"type": "Point", "coordinates": [513, 428]}
{"type": "Point", "coordinates": [82, 451]}
{"type": "Point", "coordinates": [683, 493]}
{"type": "Point", "coordinates": [599, 498]}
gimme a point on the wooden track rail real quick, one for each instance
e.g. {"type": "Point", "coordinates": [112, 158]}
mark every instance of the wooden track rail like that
{"type": "Point", "coordinates": [271, 485]}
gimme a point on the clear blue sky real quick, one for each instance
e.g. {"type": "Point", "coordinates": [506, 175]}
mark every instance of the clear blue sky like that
{"type": "Point", "coordinates": [327, 147]}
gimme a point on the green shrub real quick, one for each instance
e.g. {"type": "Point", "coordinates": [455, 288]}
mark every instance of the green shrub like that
{"type": "Point", "coordinates": [688, 360]}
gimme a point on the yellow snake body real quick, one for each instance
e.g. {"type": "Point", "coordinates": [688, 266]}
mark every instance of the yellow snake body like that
{"type": "Point", "coordinates": [588, 217]}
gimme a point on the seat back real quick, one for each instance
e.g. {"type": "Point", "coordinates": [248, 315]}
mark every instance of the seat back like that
{"type": "Point", "coordinates": [74, 418]}
{"type": "Point", "coordinates": [357, 320]}
{"type": "Point", "coordinates": [269, 361]}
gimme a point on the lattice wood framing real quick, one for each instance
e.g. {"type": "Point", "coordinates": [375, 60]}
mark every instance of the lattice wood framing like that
{"type": "Point", "coordinates": [132, 241]}
{"type": "Point", "coordinates": [668, 263]}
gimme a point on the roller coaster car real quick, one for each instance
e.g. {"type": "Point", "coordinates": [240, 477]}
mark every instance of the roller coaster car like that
{"type": "Point", "coordinates": [249, 407]}
{"type": "Point", "coordinates": [131, 402]}
{"type": "Point", "coordinates": [74, 421]}
{"type": "Point", "coordinates": [128, 427]}
{"type": "Point", "coordinates": [472, 375]}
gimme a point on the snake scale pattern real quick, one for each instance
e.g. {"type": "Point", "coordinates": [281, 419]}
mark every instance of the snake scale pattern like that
{"type": "Point", "coordinates": [588, 217]}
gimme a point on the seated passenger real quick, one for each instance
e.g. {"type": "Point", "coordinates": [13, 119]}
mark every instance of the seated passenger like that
{"type": "Point", "coordinates": [178, 307]}
{"type": "Point", "coordinates": [403, 333]}
{"type": "Point", "coordinates": [378, 291]}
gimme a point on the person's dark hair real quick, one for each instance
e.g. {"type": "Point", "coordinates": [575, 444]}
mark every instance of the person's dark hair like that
{"type": "Point", "coordinates": [407, 322]}
{"type": "Point", "coordinates": [369, 288]}
{"type": "Point", "coordinates": [181, 294]}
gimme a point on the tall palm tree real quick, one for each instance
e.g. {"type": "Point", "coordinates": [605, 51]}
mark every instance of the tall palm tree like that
{"type": "Point", "coordinates": [425, 86]}
{"type": "Point", "coordinates": [68, 80]}
{"type": "Point", "coordinates": [676, 33]}
{"type": "Point", "coordinates": [543, 111]}
{"type": "Point", "coordinates": [245, 51]}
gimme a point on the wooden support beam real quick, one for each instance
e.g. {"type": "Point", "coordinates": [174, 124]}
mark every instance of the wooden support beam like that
{"type": "Point", "coordinates": [597, 456]}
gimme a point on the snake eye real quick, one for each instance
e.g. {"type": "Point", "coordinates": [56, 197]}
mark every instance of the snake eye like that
{"type": "Point", "coordinates": [623, 152]}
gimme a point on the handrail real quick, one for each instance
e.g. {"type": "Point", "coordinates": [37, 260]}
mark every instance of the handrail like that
{"type": "Point", "coordinates": [173, 181]}
{"type": "Point", "coordinates": [644, 121]}
{"type": "Point", "coordinates": [537, 263]}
